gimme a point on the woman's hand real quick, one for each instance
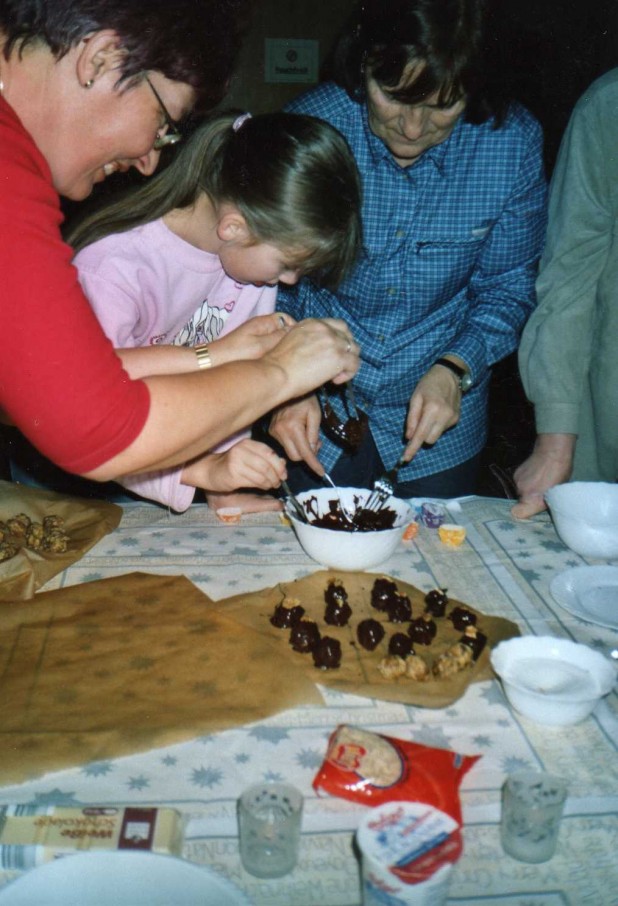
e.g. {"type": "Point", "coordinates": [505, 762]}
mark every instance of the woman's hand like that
{"type": "Point", "coordinates": [297, 428]}
{"type": "Point", "coordinates": [248, 464]}
{"type": "Point", "coordinates": [251, 339]}
{"type": "Point", "coordinates": [434, 407]}
{"type": "Point", "coordinates": [313, 352]}
{"type": "Point", "coordinates": [549, 464]}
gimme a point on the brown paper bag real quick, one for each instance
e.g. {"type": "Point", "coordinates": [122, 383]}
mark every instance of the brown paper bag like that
{"type": "Point", "coordinates": [359, 672]}
{"type": "Point", "coordinates": [85, 521]}
{"type": "Point", "coordinates": [115, 667]}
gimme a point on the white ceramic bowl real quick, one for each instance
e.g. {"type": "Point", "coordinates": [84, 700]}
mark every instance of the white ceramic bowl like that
{"type": "Point", "coordinates": [585, 514]}
{"type": "Point", "coordinates": [348, 550]}
{"type": "Point", "coordinates": [552, 681]}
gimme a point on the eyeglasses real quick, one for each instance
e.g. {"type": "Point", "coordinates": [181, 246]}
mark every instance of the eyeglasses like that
{"type": "Point", "coordinates": [172, 136]}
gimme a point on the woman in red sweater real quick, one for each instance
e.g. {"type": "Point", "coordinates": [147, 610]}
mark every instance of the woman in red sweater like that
{"type": "Point", "coordinates": [88, 89]}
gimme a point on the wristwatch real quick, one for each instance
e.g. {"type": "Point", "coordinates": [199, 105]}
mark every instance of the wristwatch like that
{"type": "Point", "coordinates": [465, 378]}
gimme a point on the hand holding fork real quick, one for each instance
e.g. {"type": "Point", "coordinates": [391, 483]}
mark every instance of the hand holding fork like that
{"type": "Point", "coordinates": [383, 487]}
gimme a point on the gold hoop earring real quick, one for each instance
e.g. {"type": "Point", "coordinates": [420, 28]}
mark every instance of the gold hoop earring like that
{"type": "Point", "coordinates": [89, 83]}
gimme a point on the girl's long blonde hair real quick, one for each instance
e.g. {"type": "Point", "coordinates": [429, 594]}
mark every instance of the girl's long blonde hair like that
{"type": "Point", "coordinates": [292, 177]}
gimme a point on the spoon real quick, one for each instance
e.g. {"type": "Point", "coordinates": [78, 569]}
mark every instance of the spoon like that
{"type": "Point", "coordinates": [300, 512]}
{"type": "Point", "coordinates": [349, 518]}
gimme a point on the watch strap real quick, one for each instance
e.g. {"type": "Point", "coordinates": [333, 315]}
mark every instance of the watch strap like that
{"type": "Point", "coordinates": [465, 380]}
{"type": "Point", "coordinates": [456, 369]}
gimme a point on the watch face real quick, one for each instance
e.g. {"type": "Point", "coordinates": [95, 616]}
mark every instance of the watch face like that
{"type": "Point", "coordinates": [465, 382]}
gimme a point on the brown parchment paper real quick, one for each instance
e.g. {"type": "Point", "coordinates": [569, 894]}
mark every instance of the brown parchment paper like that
{"type": "Point", "coordinates": [85, 521]}
{"type": "Point", "coordinates": [359, 672]}
{"type": "Point", "coordinates": [119, 666]}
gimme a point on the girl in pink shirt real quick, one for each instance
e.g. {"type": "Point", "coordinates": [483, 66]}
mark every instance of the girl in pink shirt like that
{"type": "Point", "coordinates": [193, 258]}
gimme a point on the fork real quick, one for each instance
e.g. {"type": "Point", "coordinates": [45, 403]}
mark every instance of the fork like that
{"type": "Point", "coordinates": [383, 487]}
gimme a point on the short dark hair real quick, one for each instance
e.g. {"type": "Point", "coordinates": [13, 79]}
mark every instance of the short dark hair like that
{"type": "Point", "coordinates": [192, 42]}
{"type": "Point", "coordinates": [383, 37]}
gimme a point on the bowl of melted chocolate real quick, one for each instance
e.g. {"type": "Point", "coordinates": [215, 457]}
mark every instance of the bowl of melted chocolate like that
{"type": "Point", "coordinates": [345, 535]}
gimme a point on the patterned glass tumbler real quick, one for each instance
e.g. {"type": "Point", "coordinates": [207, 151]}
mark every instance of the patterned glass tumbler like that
{"type": "Point", "coordinates": [532, 805]}
{"type": "Point", "coordinates": [269, 820]}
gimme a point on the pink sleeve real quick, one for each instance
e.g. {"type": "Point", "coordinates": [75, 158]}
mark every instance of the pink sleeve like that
{"type": "Point", "coordinates": [163, 487]}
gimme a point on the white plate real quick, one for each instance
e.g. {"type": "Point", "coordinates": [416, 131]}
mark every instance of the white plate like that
{"type": "Point", "coordinates": [590, 593]}
{"type": "Point", "coordinates": [121, 879]}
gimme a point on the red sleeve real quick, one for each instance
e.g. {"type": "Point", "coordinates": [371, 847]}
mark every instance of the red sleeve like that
{"type": "Point", "coordinates": [61, 382]}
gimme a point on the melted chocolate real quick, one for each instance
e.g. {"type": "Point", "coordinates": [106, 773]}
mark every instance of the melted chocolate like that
{"type": "Point", "coordinates": [436, 601]}
{"type": "Point", "coordinates": [462, 617]}
{"type": "Point", "coordinates": [362, 520]}
{"type": "Point", "coordinates": [347, 434]}
{"type": "Point", "coordinates": [337, 613]}
{"type": "Point", "coordinates": [400, 644]}
{"type": "Point", "coordinates": [286, 617]}
{"type": "Point", "coordinates": [304, 636]}
{"type": "Point", "coordinates": [369, 633]}
{"type": "Point", "coordinates": [423, 630]}
{"type": "Point", "coordinates": [327, 653]}
{"type": "Point", "coordinates": [383, 592]}
{"type": "Point", "coordinates": [399, 609]}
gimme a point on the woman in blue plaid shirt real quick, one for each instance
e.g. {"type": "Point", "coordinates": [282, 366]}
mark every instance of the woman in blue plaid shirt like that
{"type": "Point", "coordinates": [454, 217]}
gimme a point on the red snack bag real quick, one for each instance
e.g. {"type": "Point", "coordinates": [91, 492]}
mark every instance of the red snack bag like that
{"type": "Point", "coordinates": [372, 769]}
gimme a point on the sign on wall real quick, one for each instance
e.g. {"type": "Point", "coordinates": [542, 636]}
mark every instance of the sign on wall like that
{"type": "Point", "coordinates": [291, 60]}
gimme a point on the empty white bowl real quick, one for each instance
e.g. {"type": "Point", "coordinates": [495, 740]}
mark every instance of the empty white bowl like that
{"type": "Point", "coordinates": [585, 514]}
{"type": "Point", "coordinates": [344, 550]}
{"type": "Point", "coordinates": [552, 681]}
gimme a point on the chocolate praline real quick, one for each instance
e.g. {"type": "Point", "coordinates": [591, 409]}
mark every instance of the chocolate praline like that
{"type": "Point", "coordinates": [337, 613]}
{"type": "Point", "coordinates": [436, 601]}
{"type": "Point", "coordinates": [382, 592]}
{"type": "Point", "coordinates": [335, 592]}
{"type": "Point", "coordinates": [286, 617]}
{"type": "Point", "coordinates": [369, 633]}
{"type": "Point", "coordinates": [327, 653]}
{"type": "Point", "coordinates": [400, 644]}
{"type": "Point", "coordinates": [399, 610]}
{"type": "Point", "coordinates": [475, 640]}
{"type": "Point", "coordinates": [462, 617]}
{"type": "Point", "coordinates": [423, 630]}
{"type": "Point", "coordinates": [304, 636]}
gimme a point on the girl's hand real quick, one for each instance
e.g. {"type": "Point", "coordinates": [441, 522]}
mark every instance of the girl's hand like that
{"type": "Point", "coordinates": [248, 464]}
{"type": "Point", "coordinates": [434, 407]}
{"type": "Point", "coordinates": [252, 339]}
{"type": "Point", "coordinates": [297, 428]}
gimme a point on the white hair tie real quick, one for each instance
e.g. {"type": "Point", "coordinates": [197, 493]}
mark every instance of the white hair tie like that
{"type": "Point", "coordinates": [240, 120]}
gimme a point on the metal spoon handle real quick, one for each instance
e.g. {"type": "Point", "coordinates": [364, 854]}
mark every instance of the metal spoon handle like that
{"type": "Point", "coordinates": [347, 516]}
{"type": "Point", "coordinates": [295, 503]}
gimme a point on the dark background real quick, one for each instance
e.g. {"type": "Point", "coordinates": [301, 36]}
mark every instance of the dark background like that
{"type": "Point", "coordinates": [548, 50]}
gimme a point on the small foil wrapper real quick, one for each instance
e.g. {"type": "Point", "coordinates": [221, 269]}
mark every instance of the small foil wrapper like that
{"type": "Point", "coordinates": [451, 535]}
{"type": "Point", "coordinates": [410, 532]}
{"type": "Point", "coordinates": [229, 514]}
{"type": "Point", "coordinates": [432, 515]}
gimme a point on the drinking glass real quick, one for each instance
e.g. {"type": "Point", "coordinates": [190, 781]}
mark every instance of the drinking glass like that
{"type": "Point", "coordinates": [269, 819]}
{"type": "Point", "coordinates": [532, 804]}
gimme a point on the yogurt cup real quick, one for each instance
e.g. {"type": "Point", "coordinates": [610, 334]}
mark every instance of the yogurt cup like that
{"type": "Point", "coordinates": [408, 851]}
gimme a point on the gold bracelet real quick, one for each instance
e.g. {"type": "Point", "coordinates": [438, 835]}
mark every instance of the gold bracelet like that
{"type": "Point", "coordinates": [203, 356]}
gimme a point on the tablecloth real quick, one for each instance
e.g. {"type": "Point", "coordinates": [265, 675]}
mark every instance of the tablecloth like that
{"type": "Point", "coordinates": [505, 568]}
